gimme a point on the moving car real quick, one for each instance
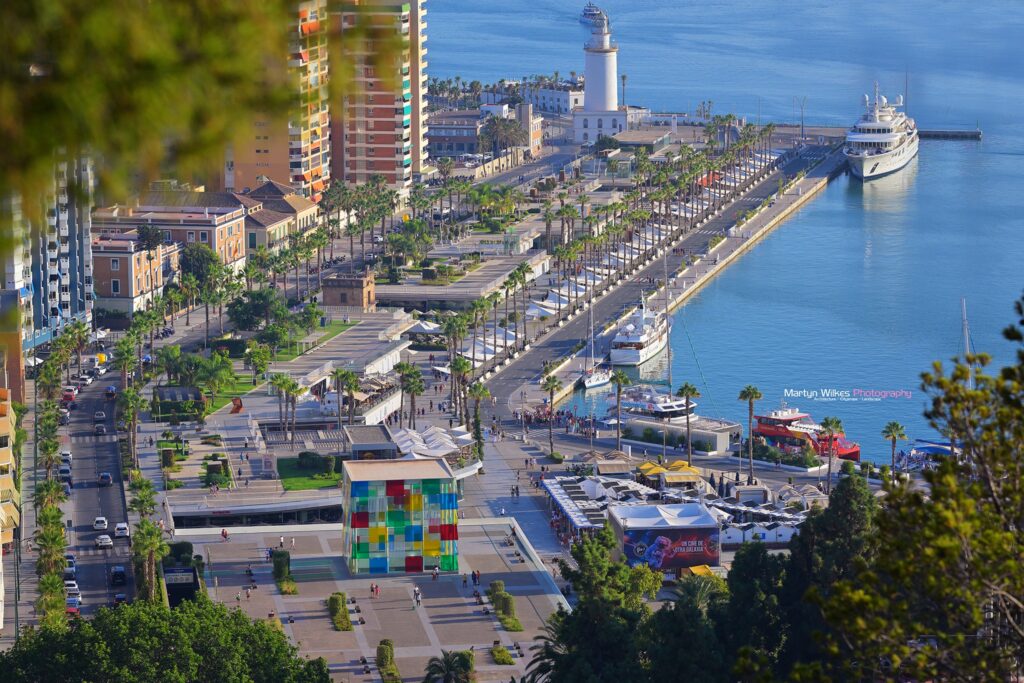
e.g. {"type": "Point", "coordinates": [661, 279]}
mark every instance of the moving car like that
{"type": "Point", "coordinates": [99, 416]}
{"type": "Point", "coordinates": [118, 576]}
{"type": "Point", "coordinates": [64, 418]}
{"type": "Point", "coordinates": [106, 480]}
{"type": "Point", "coordinates": [85, 378]}
{"type": "Point", "coordinates": [104, 541]}
{"type": "Point", "coordinates": [120, 599]}
{"type": "Point", "coordinates": [111, 392]}
{"type": "Point", "coordinates": [100, 430]}
{"type": "Point", "coordinates": [121, 530]}
{"type": "Point", "coordinates": [66, 457]}
{"type": "Point", "coordinates": [100, 524]}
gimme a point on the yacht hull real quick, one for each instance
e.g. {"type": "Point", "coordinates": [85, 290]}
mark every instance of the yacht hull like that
{"type": "Point", "coordinates": [631, 356]}
{"type": "Point", "coordinates": [878, 165]}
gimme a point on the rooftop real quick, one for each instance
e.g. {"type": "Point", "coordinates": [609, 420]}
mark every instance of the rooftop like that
{"type": "Point", "coordinates": [385, 470]}
{"type": "Point", "coordinates": [680, 515]}
{"type": "Point", "coordinates": [363, 434]}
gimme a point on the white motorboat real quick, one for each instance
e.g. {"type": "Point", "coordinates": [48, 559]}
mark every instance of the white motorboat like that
{"type": "Point", "coordinates": [642, 336]}
{"type": "Point", "coordinates": [884, 140]}
{"type": "Point", "coordinates": [641, 399]}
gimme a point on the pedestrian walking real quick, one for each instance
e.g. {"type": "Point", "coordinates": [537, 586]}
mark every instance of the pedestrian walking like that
{"type": "Point", "coordinates": [464, 580]}
{"type": "Point", "coordinates": [247, 482]}
{"type": "Point", "coordinates": [281, 545]}
{"type": "Point", "coordinates": [293, 543]}
{"type": "Point", "coordinates": [377, 589]}
{"type": "Point", "coordinates": [248, 593]}
{"type": "Point", "coordinates": [238, 597]}
{"type": "Point", "coordinates": [435, 573]}
{"type": "Point", "coordinates": [373, 590]}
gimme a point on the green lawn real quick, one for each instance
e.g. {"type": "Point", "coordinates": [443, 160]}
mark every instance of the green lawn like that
{"type": "Point", "coordinates": [295, 479]}
{"type": "Point", "coordinates": [241, 386]}
{"type": "Point", "coordinates": [334, 328]}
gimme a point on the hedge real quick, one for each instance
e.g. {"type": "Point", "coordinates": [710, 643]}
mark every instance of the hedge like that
{"type": "Point", "coordinates": [386, 662]}
{"type": "Point", "coordinates": [504, 606]}
{"type": "Point", "coordinates": [337, 605]}
{"type": "Point", "coordinates": [501, 656]}
{"type": "Point", "coordinates": [557, 457]}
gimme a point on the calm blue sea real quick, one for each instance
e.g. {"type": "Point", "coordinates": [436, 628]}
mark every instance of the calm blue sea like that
{"type": "Point", "coordinates": [861, 290]}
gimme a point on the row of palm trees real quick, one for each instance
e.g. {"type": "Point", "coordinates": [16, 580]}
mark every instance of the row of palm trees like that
{"type": "Point", "coordinates": [50, 536]}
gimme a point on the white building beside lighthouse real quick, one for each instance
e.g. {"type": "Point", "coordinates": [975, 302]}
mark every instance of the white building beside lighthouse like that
{"type": "Point", "coordinates": [600, 113]}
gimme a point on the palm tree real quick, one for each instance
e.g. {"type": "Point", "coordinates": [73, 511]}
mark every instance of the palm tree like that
{"type": "Point", "coordinates": [412, 384]}
{"type": "Point", "coordinates": [292, 392]}
{"type": "Point", "coordinates": [149, 546]}
{"type": "Point", "coordinates": [478, 392]}
{"type": "Point", "coordinates": [49, 493]}
{"type": "Point", "coordinates": [51, 602]}
{"type": "Point", "coordinates": [167, 360]}
{"type": "Point", "coordinates": [894, 432]}
{"type": "Point", "coordinates": [450, 667]}
{"type": "Point", "coordinates": [131, 403]}
{"type": "Point", "coordinates": [832, 427]}
{"type": "Point", "coordinates": [688, 392]}
{"type": "Point", "coordinates": [279, 381]}
{"type": "Point", "coordinates": [750, 394]}
{"type": "Point", "coordinates": [51, 542]}
{"type": "Point", "coordinates": [189, 287]}
{"type": "Point", "coordinates": [143, 497]}
{"type": "Point", "coordinates": [344, 380]}
{"type": "Point", "coordinates": [551, 385]}
{"type": "Point", "coordinates": [460, 368]}
{"type": "Point", "coordinates": [619, 379]}
{"type": "Point", "coordinates": [78, 336]}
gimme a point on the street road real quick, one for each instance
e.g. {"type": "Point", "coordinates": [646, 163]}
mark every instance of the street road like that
{"type": "Point", "coordinates": [506, 385]}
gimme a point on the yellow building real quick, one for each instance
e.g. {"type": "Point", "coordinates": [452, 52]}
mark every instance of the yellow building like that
{"type": "Point", "coordinates": [10, 498]}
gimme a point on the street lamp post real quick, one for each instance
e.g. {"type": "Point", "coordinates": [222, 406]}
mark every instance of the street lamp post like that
{"type": "Point", "coordinates": [522, 412]}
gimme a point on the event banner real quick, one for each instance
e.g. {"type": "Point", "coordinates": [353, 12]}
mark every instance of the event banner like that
{"type": "Point", "coordinates": [667, 549]}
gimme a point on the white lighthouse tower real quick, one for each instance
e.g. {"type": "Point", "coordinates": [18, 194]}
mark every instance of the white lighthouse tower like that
{"type": "Point", "coordinates": [600, 113]}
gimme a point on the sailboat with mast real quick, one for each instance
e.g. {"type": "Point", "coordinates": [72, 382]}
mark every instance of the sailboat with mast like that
{"type": "Point", "coordinates": [594, 376]}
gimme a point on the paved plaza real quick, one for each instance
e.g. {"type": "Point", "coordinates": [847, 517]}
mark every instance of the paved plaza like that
{"type": "Point", "coordinates": [449, 616]}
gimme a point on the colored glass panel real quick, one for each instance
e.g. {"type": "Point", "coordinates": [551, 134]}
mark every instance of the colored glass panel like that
{"type": "Point", "coordinates": [360, 520]}
{"type": "Point", "coordinates": [395, 488]}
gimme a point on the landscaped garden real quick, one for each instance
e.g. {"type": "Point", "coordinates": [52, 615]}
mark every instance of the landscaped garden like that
{"type": "Point", "coordinates": [307, 472]}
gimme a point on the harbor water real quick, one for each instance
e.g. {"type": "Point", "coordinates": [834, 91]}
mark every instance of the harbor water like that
{"type": "Point", "coordinates": [841, 308]}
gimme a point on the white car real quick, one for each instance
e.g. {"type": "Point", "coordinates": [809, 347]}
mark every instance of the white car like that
{"type": "Point", "coordinates": [86, 379]}
{"type": "Point", "coordinates": [66, 457]}
{"type": "Point", "coordinates": [121, 530]}
{"type": "Point", "coordinates": [73, 390]}
{"type": "Point", "coordinates": [101, 369]}
{"type": "Point", "coordinates": [100, 524]}
{"type": "Point", "coordinates": [104, 541]}
{"type": "Point", "coordinates": [71, 587]}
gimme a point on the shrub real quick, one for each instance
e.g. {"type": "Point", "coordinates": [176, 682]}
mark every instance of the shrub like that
{"type": "Point", "coordinates": [309, 460]}
{"type": "Point", "coordinates": [288, 586]}
{"type": "Point", "coordinates": [501, 656]}
{"type": "Point", "coordinates": [509, 623]}
{"type": "Point", "coordinates": [557, 457]}
{"type": "Point", "coordinates": [167, 457]}
{"type": "Point", "coordinates": [327, 462]}
{"type": "Point", "coordinates": [338, 608]}
{"type": "Point", "coordinates": [172, 484]}
{"type": "Point", "coordinates": [497, 586]}
{"type": "Point", "coordinates": [386, 662]}
{"type": "Point", "coordinates": [282, 564]}
{"type": "Point", "coordinates": [649, 435]}
{"type": "Point", "coordinates": [181, 551]}
{"type": "Point", "coordinates": [848, 468]}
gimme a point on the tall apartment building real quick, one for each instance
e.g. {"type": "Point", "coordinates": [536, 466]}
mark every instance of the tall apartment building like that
{"type": "Point", "coordinates": [10, 497]}
{"type": "Point", "coordinates": [379, 131]}
{"type": "Point", "coordinates": [297, 151]}
{"type": "Point", "coordinates": [49, 268]}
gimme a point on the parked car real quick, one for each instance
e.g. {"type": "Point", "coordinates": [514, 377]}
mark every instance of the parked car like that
{"type": "Point", "coordinates": [71, 588]}
{"type": "Point", "coordinates": [69, 561]}
{"type": "Point", "coordinates": [118, 576]}
{"type": "Point", "coordinates": [85, 378]}
{"type": "Point", "coordinates": [121, 530]}
{"type": "Point", "coordinates": [68, 396]}
{"type": "Point", "coordinates": [69, 574]}
{"type": "Point", "coordinates": [73, 607]}
{"type": "Point", "coordinates": [100, 524]}
{"type": "Point", "coordinates": [100, 430]}
{"type": "Point", "coordinates": [106, 479]}
{"type": "Point", "coordinates": [66, 457]}
{"type": "Point", "coordinates": [101, 369]}
{"type": "Point", "coordinates": [64, 474]}
{"type": "Point", "coordinates": [67, 489]}
{"type": "Point", "coordinates": [64, 418]}
{"type": "Point", "coordinates": [104, 541]}
{"type": "Point", "coordinates": [72, 388]}
{"type": "Point", "coordinates": [99, 416]}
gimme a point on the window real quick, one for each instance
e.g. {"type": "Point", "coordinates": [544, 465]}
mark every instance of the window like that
{"type": "Point", "coordinates": [600, 123]}
{"type": "Point", "coordinates": [115, 264]}
{"type": "Point", "coordinates": [167, 237]}
{"type": "Point", "coordinates": [115, 287]}
{"type": "Point", "coordinates": [204, 236]}
{"type": "Point", "coordinates": [191, 236]}
{"type": "Point", "coordinates": [586, 123]}
{"type": "Point", "coordinates": [252, 240]}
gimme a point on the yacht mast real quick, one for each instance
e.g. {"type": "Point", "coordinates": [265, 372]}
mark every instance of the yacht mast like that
{"type": "Point", "coordinates": [967, 337]}
{"type": "Point", "coordinates": [668, 322]}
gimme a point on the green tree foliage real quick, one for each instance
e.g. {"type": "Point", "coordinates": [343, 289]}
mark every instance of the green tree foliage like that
{"type": "Point", "coordinates": [141, 641]}
{"type": "Point", "coordinates": [199, 261]}
{"type": "Point", "coordinates": [257, 308]}
{"type": "Point", "coordinates": [943, 598]}
{"type": "Point", "coordinates": [680, 630]}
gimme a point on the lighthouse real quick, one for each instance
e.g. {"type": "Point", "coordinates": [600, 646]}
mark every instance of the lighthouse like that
{"type": "Point", "coordinates": [600, 114]}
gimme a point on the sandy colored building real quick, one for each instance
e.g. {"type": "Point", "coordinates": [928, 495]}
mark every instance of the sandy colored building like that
{"type": "Point", "coordinates": [128, 276]}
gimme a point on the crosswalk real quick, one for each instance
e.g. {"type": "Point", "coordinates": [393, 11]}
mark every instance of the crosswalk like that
{"type": "Point", "coordinates": [119, 550]}
{"type": "Point", "coordinates": [92, 438]}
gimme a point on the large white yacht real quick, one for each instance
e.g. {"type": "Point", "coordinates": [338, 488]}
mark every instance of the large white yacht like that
{"type": "Point", "coordinates": [642, 336]}
{"type": "Point", "coordinates": [882, 141]}
{"type": "Point", "coordinates": [591, 14]}
{"type": "Point", "coordinates": [640, 399]}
